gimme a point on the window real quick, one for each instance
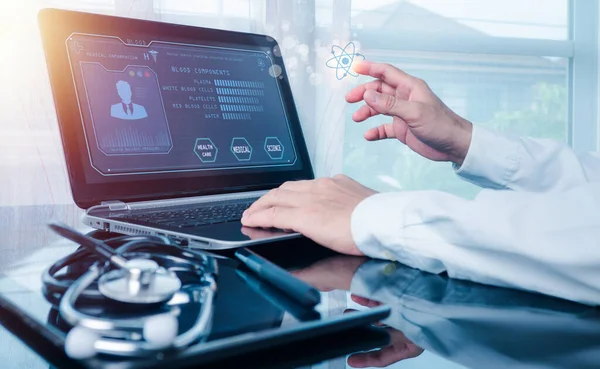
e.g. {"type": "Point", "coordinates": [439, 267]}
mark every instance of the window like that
{"type": "Point", "coordinates": [501, 64]}
{"type": "Point", "coordinates": [31, 159]}
{"type": "Point", "coordinates": [537, 19]}
{"type": "Point", "coordinates": [226, 14]}
{"type": "Point", "coordinates": [523, 95]}
{"type": "Point", "coordinates": [528, 68]}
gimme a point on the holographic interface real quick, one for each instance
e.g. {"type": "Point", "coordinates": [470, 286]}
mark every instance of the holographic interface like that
{"type": "Point", "coordinates": [190, 107]}
{"type": "Point", "coordinates": [342, 60]}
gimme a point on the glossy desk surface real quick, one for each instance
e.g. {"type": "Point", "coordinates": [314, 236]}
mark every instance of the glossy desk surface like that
{"type": "Point", "coordinates": [435, 322]}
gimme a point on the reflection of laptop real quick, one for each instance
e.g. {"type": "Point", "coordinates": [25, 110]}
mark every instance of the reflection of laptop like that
{"type": "Point", "coordinates": [170, 129]}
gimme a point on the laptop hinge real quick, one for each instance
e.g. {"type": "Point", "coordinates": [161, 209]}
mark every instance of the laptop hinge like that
{"type": "Point", "coordinates": [115, 205]}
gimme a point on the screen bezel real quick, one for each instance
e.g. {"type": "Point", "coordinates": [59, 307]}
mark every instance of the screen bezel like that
{"type": "Point", "coordinates": [57, 25]}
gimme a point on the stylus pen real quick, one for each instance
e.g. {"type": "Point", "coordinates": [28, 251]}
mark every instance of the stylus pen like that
{"type": "Point", "coordinates": [93, 245]}
{"type": "Point", "coordinates": [278, 298]}
{"type": "Point", "coordinates": [301, 292]}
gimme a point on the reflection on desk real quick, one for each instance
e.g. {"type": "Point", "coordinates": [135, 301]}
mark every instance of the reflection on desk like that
{"type": "Point", "coordinates": [474, 325]}
{"type": "Point", "coordinates": [238, 308]}
{"type": "Point", "coordinates": [459, 324]}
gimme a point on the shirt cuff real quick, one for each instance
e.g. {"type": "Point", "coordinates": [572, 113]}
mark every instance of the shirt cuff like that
{"type": "Point", "coordinates": [491, 160]}
{"type": "Point", "coordinates": [378, 227]}
{"type": "Point", "coordinates": [368, 226]}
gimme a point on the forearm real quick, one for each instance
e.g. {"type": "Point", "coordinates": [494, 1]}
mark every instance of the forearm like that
{"type": "Point", "coordinates": [539, 242]}
{"type": "Point", "coordinates": [526, 164]}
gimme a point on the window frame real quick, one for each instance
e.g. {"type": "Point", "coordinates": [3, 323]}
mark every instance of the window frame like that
{"type": "Point", "coordinates": [581, 50]}
{"type": "Point", "coordinates": [583, 75]}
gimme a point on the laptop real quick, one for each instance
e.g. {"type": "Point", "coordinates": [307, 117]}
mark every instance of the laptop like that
{"type": "Point", "coordinates": [169, 129]}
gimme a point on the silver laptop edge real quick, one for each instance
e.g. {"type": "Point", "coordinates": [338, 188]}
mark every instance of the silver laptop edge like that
{"type": "Point", "coordinates": [112, 225]}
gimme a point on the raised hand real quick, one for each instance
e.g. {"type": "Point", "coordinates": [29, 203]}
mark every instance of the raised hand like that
{"type": "Point", "coordinates": [420, 119]}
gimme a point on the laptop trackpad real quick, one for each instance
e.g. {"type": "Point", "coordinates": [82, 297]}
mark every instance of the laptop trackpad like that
{"type": "Point", "coordinates": [236, 232]}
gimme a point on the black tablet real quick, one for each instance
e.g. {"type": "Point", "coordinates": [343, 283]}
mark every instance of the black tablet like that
{"type": "Point", "coordinates": [248, 317]}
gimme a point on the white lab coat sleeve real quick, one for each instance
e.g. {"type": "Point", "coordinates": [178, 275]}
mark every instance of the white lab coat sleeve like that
{"type": "Point", "coordinates": [545, 242]}
{"type": "Point", "coordinates": [526, 164]}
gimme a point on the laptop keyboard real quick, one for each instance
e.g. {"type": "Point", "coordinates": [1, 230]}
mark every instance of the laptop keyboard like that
{"type": "Point", "coordinates": [187, 217]}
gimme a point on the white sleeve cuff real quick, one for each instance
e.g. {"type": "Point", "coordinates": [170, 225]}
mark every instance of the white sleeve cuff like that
{"type": "Point", "coordinates": [369, 226]}
{"type": "Point", "coordinates": [378, 229]}
{"type": "Point", "coordinates": [491, 161]}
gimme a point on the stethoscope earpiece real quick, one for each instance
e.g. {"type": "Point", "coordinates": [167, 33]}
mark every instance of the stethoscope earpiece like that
{"type": "Point", "coordinates": [80, 343]}
{"type": "Point", "coordinates": [161, 330]}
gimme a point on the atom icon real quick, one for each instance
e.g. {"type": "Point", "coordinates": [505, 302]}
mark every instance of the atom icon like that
{"type": "Point", "coordinates": [342, 60]}
{"type": "Point", "coordinates": [261, 63]}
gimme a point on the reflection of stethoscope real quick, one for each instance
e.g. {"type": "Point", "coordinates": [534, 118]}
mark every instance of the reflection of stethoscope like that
{"type": "Point", "coordinates": [145, 275]}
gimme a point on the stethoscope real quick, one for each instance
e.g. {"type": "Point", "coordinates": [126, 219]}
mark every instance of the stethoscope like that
{"type": "Point", "coordinates": [134, 275]}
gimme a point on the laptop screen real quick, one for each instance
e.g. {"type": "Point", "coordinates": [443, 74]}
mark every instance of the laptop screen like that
{"type": "Point", "coordinates": [169, 107]}
{"type": "Point", "coordinates": [154, 110]}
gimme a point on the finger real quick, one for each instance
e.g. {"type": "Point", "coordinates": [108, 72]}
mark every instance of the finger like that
{"type": "Point", "coordinates": [378, 358]}
{"type": "Point", "coordinates": [356, 94]}
{"type": "Point", "coordinates": [364, 301]}
{"type": "Point", "coordinates": [366, 359]}
{"type": "Point", "coordinates": [276, 217]}
{"type": "Point", "coordinates": [380, 133]}
{"type": "Point", "coordinates": [278, 197]}
{"type": "Point", "coordinates": [391, 105]}
{"type": "Point", "coordinates": [256, 233]}
{"type": "Point", "coordinates": [363, 113]}
{"type": "Point", "coordinates": [385, 72]}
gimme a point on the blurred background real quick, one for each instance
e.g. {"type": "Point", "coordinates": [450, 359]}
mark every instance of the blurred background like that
{"type": "Point", "coordinates": [522, 67]}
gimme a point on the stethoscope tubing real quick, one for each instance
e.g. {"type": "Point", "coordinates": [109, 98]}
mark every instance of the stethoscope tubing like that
{"type": "Point", "coordinates": [54, 288]}
{"type": "Point", "coordinates": [105, 345]}
{"type": "Point", "coordinates": [109, 328]}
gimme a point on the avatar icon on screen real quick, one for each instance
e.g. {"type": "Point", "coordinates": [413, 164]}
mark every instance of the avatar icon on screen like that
{"type": "Point", "coordinates": [126, 109]}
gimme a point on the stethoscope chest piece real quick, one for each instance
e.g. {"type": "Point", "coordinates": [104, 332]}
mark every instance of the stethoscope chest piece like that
{"type": "Point", "coordinates": [144, 270]}
{"type": "Point", "coordinates": [142, 281]}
